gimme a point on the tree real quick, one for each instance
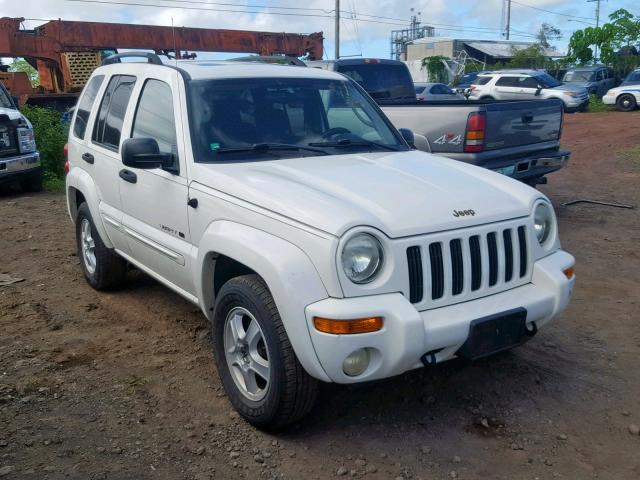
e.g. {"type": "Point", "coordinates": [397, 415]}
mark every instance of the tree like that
{"type": "Point", "coordinates": [547, 34]}
{"type": "Point", "coordinates": [436, 69]}
{"type": "Point", "coordinates": [21, 65]}
{"type": "Point", "coordinates": [621, 32]}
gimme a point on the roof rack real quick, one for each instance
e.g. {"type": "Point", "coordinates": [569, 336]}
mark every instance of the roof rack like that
{"type": "Point", "coordinates": [151, 57]}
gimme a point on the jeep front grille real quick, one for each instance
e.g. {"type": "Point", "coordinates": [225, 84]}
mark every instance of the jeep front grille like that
{"type": "Point", "coordinates": [461, 267]}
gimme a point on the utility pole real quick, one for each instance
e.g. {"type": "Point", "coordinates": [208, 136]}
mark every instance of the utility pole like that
{"type": "Point", "coordinates": [508, 26]}
{"type": "Point", "coordinates": [337, 30]}
{"type": "Point", "coordinates": [597, 24]}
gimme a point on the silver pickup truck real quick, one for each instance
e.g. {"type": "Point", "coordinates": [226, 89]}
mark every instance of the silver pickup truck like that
{"type": "Point", "coordinates": [520, 139]}
{"type": "Point", "coordinates": [19, 158]}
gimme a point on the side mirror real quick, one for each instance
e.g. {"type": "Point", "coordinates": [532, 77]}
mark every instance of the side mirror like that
{"type": "Point", "coordinates": [538, 90]}
{"type": "Point", "coordinates": [408, 136]}
{"type": "Point", "coordinates": [16, 100]}
{"type": "Point", "coordinates": [144, 153]}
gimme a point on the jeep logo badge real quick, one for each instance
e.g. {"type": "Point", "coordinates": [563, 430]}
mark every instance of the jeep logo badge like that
{"type": "Point", "coordinates": [464, 213]}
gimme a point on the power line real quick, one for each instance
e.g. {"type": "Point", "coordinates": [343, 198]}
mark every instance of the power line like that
{"type": "Point", "coordinates": [550, 11]}
{"type": "Point", "coordinates": [244, 5]}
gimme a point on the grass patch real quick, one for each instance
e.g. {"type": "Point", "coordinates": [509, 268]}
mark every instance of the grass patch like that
{"type": "Point", "coordinates": [596, 105]}
{"type": "Point", "coordinates": [53, 183]}
{"type": "Point", "coordinates": [630, 158]}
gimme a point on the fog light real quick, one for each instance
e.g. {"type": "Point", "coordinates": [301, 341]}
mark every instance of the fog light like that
{"type": "Point", "coordinates": [356, 363]}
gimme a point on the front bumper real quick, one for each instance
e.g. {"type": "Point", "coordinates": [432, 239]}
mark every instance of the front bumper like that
{"type": "Point", "coordinates": [15, 168]}
{"type": "Point", "coordinates": [408, 334]}
{"type": "Point", "coordinates": [609, 99]}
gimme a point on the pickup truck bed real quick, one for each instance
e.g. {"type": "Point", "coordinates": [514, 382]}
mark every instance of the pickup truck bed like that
{"type": "Point", "coordinates": [520, 139]}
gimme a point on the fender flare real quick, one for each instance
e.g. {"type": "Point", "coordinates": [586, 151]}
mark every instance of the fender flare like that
{"type": "Point", "coordinates": [288, 272]}
{"type": "Point", "coordinates": [80, 180]}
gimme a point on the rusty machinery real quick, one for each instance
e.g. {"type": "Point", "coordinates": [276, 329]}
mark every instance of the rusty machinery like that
{"type": "Point", "coordinates": [66, 52]}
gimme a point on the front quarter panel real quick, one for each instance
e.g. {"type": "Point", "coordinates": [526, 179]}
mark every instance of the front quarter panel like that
{"type": "Point", "coordinates": [289, 274]}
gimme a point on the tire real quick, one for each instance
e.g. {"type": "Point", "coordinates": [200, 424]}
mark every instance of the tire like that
{"type": "Point", "coordinates": [102, 267]}
{"type": "Point", "coordinates": [626, 103]}
{"type": "Point", "coordinates": [32, 183]}
{"type": "Point", "coordinates": [289, 392]}
{"type": "Point", "coordinates": [487, 97]}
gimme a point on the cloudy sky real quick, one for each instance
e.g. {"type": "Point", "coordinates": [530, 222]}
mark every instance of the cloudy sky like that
{"type": "Point", "coordinates": [366, 24]}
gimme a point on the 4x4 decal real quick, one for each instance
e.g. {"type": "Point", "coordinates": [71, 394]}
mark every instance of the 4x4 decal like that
{"type": "Point", "coordinates": [448, 138]}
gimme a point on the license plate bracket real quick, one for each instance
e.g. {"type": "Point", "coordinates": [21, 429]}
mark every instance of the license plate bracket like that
{"type": "Point", "coordinates": [495, 333]}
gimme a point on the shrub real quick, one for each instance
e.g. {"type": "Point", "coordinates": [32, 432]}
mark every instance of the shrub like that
{"type": "Point", "coordinates": [596, 105]}
{"type": "Point", "coordinates": [51, 135]}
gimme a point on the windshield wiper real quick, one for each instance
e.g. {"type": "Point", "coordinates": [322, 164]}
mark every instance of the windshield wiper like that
{"type": "Point", "coordinates": [347, 142]}
{"type": "Point", "coordinates": [266, 147]}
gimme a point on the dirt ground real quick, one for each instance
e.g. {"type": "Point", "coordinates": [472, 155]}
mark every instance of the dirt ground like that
{"type": "Point", "coordinates": [122, 385]}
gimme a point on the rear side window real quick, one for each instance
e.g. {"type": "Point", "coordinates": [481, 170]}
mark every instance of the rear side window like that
{"type": "Point", "coordinates": [108, 126]}
{"type": "Point", "coordinates": [482, 80]}
{"type": "Point", "coordinates": [85, 106]}
{"type": "Point", "coordinates": [528, 82]}
{"type": "Point", "coordinates": [507, 82]}
{"type": "Point", "coordinates": [154, 116]}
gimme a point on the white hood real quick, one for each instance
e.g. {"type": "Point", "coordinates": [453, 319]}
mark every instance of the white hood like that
{"type": "Point", "coordinates": [401, 194]}
{"type": "Point", "coordinates": [12, 113]}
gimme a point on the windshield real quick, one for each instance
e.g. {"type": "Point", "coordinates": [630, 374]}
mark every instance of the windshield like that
{"type": "Point", "coordinates": [578, 76]}
{"type": "Point", "coordinates": [5, 100]}
{"type": "Point", "coordinates": [272, 117]}
{"type": "Point", "coordinates": [383, 81]}
{"type": "Point", "coordinates": [546, 80]}
{"type": "Point", "coordinates": [467, 78]}
{"type": "Point", "coordinates": [633, 77]}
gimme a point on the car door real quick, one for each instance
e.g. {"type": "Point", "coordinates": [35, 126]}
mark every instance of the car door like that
{"type": "Point", "coordinates": [527, 88]}
{"type": "Point", "coordinates": [506, 88]}
{"type": "Point", "coordinates": [101, 155]}
{"type": "Point", "coordinates": [600, 82]}
{"type": "Point", "coordinates": [154, 201]}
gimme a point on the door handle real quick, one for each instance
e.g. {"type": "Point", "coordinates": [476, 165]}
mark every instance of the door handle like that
{"type": "Point", "coordinates": [87, 157]}
{"type": "Point", "coordinates": [527, 117]}
{"type": "Point", "coordinates": [128, 176]}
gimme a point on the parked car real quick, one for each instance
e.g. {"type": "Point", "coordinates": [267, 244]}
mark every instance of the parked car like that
{"type": "Point", "coordinates": [320, 246]}
{"type": "Point", "coordinates": [626, 97]}
{"type": "Point", "coordinates": [518, 139]}
{"type": "Point", "coordinates": [597, 79]}
{"type": "Point", "coordinates": [462, 85]}
{"type": "Point", "coordinates": [528, 85]}
{"type": "Point", "coordinates": [19, 157]}
{"type": "Point", "coordinates": [438, 92]}
{"type": "Point", "coordinates": [632, 79]}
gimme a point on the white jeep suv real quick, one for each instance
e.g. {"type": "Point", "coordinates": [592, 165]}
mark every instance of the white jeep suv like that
{"type": "Point", "coordinates": [528, 85]}
{"type": "Point", "coordinates": [320, 246]}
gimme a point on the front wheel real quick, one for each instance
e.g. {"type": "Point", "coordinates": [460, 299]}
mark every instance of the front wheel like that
{"type": "Point", "coordinates": [32, 183]}
{"type": "Point", "coordinates": [257, 365]}
{"type": "Point", "coordinates": [103, 268]}
{"type": "Point", "coordinates": [626, 103]}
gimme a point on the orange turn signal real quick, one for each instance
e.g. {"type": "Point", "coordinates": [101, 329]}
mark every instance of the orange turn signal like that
{"type": "Point", "coordinates": [569, 272]}
{"type": "Point", "coordinates": [348, 327]}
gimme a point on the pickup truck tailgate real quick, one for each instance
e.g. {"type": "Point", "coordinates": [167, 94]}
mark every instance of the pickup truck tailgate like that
{"type": "Point", "coordinates": [513, 124]}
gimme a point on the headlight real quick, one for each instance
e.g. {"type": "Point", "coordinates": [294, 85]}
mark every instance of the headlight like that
{"type": "Point", "coordinates": [27, 140]}
{"type": "Point", "coordinates": [362, 258]}
{"type": "Point", "coordinates": [571, 94]}
{"type": "Point", "coordinates": [610, 93]}
{"type": "Point", "coordinates": [543, 222]}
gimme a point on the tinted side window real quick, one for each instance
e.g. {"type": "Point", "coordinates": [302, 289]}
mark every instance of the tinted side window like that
{"type": "Point", "coordinates": [154, 116]}
{"type": "Point", "coordinates": [528, 82]}
{"type": "Point", "coordinates": [108, 127]}
{"type": "Point", "coordinates": [507, 82]}
{"type": "Point", "coordinates": [482, 80]}
{"type": "Point", "coordinates": [85, 106]}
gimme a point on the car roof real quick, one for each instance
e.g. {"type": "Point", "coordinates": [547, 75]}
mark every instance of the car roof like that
{"type": "Point", "coordinates": [221, 69]}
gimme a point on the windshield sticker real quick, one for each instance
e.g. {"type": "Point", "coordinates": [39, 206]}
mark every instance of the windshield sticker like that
{"type": "Point", "coordinates": [214, 146]}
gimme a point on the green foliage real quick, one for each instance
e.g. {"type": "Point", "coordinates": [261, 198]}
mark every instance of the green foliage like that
{"type": "Point", "coordinates": [20, 65]}
{"type": "Point", "coordinates": [52, 183]}
{"type": "Point", "coordinates": [596, 105]}
{"type": "Point", "coordinates": [50, 135]}
{"type": "Point", "coordinates": [436, 68]}
{"type": "Point", "coordinates": [621, 33]}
